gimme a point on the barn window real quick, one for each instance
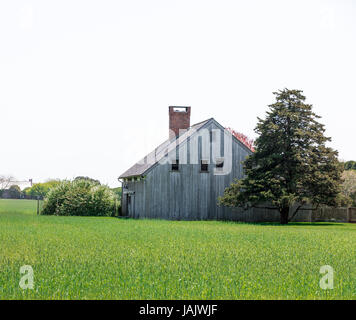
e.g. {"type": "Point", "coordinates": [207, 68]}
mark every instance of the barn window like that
{"type": "Point", "coordinates": [204, 165]}
{"type": "Point", "coordinates": [175, 165]}
{"type": "Point", "coordinates": [219, 164]}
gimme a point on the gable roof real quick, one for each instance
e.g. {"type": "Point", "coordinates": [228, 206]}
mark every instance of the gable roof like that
{"type": "Point", "coordinates": [160, 152]}
{"type": "Point", "coordinates": [150, 160]}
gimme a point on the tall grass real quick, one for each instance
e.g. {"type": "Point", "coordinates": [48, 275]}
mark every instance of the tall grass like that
{"type": "Point", "coordinates": [110, 258]}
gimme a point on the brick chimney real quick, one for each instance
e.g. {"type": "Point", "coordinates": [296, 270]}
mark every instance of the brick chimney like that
{"type": "Point", "coordinates": [179, 119]}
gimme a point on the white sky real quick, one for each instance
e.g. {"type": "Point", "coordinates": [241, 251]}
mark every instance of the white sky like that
{"type": "Point", "coordinates": [85, 85]}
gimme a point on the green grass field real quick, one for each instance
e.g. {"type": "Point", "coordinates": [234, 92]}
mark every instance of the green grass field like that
{"type": "Point", "coordinates": [110, 258]}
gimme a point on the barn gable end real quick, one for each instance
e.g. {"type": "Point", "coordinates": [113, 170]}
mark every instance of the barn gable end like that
{"type": "Point", "coordinates": [151, 189]}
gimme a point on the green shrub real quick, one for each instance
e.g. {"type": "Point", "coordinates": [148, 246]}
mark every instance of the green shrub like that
{"type": "Point", "coordinates": [79, 198]}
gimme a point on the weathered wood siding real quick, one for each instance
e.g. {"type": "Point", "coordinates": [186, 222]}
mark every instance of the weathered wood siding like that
{"type": "Point", "coordinates": [188, 194]}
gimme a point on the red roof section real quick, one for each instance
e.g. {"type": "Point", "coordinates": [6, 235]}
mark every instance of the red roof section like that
{"type": "Point", "coordinates": [243, 138]}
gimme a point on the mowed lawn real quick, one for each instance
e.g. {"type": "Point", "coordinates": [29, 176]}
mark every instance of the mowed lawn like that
{"type": "Point", "coordinates": [110, 258]}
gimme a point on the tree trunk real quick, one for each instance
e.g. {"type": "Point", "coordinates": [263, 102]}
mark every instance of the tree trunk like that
{"type": "Point", "coordinates": [284, 215]}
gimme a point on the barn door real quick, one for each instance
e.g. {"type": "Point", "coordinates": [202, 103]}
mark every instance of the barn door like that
{"type": "Point", "coordinates": [130, 203]}
{"type": "Point", "coordinates": [126, 204]}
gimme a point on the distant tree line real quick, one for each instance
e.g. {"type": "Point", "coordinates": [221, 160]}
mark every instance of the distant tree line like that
{"type": "Point", "coordinates": [40, 190]}
{"type": "Point", "coordinates": [37, 191]}
{"type": "Point", "coordinates": [13, 192]}
{"type": "Point", "coordinates": [349, 188]}
{"type": "Point", "coordinates": [349, 183]}
{"type": "Point", "coordinates": [350, 165]}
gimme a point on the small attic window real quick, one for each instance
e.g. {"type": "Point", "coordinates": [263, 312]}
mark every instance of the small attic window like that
{"type": "Point", "coordinates": [175, 165]}
{"type": "Point", "coordinates": [204, 166]}
{"type": "Point", "coordinates": [219, 164]}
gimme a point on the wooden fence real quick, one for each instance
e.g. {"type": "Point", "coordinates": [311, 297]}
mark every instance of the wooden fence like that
{"type": "Point", "coordinates": [352, 215]}
{"type": "Point", "coordinates": [322, 214]}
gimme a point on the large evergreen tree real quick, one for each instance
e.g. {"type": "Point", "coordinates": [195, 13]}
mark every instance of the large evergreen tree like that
{"type": "Point", "coordinates": [291, 163]}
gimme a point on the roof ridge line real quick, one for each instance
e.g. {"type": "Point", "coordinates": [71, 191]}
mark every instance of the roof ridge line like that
{"type": "Point", "coordinates": [201, 122]}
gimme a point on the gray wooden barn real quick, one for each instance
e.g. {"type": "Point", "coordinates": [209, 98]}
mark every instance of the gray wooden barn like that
{"type": "Point", "coordinates": [183, 177]}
